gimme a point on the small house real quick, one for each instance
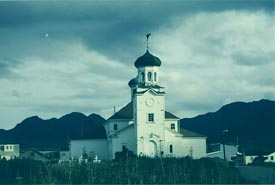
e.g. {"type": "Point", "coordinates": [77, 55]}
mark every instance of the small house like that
{"type": "Point", "coordinates": [9, 151]}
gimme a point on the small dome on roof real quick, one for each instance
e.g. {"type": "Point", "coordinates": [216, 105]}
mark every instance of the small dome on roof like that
{"type": "Point", "coordinates": [147, 60]}
{"type": "Point", "coordinates": [133, 82]}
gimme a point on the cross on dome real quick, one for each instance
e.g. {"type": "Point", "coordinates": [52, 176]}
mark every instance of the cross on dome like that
{"type": "Point", "coordinates": [147, 40]}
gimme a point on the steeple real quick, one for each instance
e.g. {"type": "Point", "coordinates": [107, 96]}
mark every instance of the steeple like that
{"type": "Point", "coordinates": [148, 72]}
{"type": "Point", "coordinates": [147, 59]}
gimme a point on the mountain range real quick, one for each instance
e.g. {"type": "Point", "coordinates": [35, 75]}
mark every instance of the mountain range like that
{"type": "Point", "coordinates": [251, 125]}
{"type": "Point", "coordinates": [37, 133]}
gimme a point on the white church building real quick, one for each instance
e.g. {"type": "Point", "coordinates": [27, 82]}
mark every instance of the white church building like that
{"type": "Point", "coordinates": [144, 126]}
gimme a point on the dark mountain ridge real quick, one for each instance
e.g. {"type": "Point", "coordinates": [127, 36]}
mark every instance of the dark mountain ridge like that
{"type": "Point", "coordinates": [34, 132]}
{"type": "Point", "coordinates": [253, 123]}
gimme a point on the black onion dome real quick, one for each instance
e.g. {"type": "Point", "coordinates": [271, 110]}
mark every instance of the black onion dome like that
{"type": "Point", "coordinates": [132, 82]}
{"type": "Point", "coordinates": [147, 60]}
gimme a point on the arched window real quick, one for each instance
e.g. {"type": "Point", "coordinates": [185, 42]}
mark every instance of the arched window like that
{"type": "Point", "coordinates": [142, 76]}
{"type": "Point", "coordinates": [149, 75]}
{"type": "Point", "coordinates": [115, 126]}
{"type": "Point", "coordinates": [155, 76]}
{"type": "Point", "coordinates": [172, 126]}
{"type": "Point", "coordinates": [171, 148]}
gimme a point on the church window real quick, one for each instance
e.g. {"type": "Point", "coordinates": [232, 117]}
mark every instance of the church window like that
{"type": "Point", "coordinates": [172, 126]}
{"type": "Point", "coordinates": [142, 76]}
{"type": "Point", "coordinates": [149, 76]}
{"type": "Point", "coordinates": [155, 76]}
{"type": "Point", "coordinates": [171, 148]}
{"type": "Point", "coordinates": [115, 126]}
{"type": "Point", "coordinates": [150, 117]}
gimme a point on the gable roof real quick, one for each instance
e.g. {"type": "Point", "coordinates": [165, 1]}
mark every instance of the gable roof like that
{"type": "Point", "coordinates": [189, 133]}
{"type": "Point", "coordinates": [169, 115]}
{"type": "Point", "coordinates": [127, 113]}
{"type": "Point", "coordinates": [149, 88]}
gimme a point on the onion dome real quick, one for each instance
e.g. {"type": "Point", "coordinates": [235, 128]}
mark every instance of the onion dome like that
{"type": "Point", "coordinates": [147, 60]}
{"type": "Point", "coordinates": [133, 82]}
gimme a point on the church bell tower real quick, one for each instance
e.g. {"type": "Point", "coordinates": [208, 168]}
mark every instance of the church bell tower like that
{"type": "Point", "coordinates": [148, 99]}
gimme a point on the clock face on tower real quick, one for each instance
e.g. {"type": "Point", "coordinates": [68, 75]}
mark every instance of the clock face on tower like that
{"type": "Point", "coordinates": [150, 102]}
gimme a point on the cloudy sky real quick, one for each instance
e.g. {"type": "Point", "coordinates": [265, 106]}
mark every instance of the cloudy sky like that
{"type": "Point", "coordinates": [62, 57]}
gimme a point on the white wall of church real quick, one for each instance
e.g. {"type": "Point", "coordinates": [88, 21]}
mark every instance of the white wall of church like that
{"type": "Point", "coordinates": [144, 105]}
{"type": "Point", "coordinates": [91, 146]}
{"type": "Point", "coordinates": [184, 146]}
{"type": "Point", "coordinates": [168, 123]}
{"type": "Point", "coordinates": [125, 138]}
{"type": "Point", "coordinates": [150, 146]}
{"type": "Point", "coordinates": [121, 124]}
{"type": "Point", "coordinates": [195, 145]}
{"type": "Point", "coordinates": [175, 143]}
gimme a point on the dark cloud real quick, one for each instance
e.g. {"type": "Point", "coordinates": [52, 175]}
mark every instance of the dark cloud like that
{"type": "Point", "coordinates": [108, 27]}
{"type": "Point", "coordinates": [252, 59]}
{"type": "Point", "coordinates": [24, 13]}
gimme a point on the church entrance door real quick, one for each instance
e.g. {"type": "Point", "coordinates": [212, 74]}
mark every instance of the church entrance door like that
{"type": "Point", "coordinates": [151, 149]}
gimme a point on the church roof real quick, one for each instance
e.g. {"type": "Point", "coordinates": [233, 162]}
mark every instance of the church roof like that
{"type": "Point", "coordinates": [169, 115]}
{"type": "Point", "coordinates": [147, 60]}
{"type": "Point", "coordinates": [127, 113]}
{"type": "Point", "coordinates": [132, 82]}
{"type": "Point", "coordinates": [189, 133]}
{"type": "Point", "coordinates": [152, 86]}
{"type": "Point", "coordinates": [124, 113]}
